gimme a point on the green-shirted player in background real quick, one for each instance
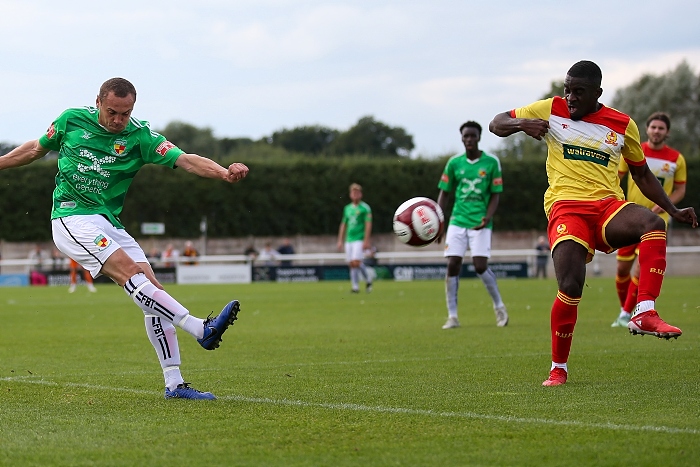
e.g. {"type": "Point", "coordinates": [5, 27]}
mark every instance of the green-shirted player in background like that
{"type": "Point", "coordinates": [475, 178]}
{"type": "Point", "coordinates": [100, 150]}
{"type": "Point", "coordinates": [354, 235]}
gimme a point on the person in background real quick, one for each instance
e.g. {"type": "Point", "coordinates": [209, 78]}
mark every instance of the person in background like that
{"type": "Point", "coordinates": [74, 269]}
{"type": "Point", "coordinates": [57, 260]}
{"type": "Point", "coordinates": [354, 236]}
{"type": "Point", "coordinates": [370, 256]}
{"type": "Point", "coordinates": [668, 165]}
{"type": "Point", "coordinates": [37, 269]}
{"type": "Point", "coordinates": [251, 252]}
{"type": "Point", "coordinates": [542, 258]}
{"type": "Point", "coordinates": [474, 178]}
{"type": "Point", "coordinates": [153, 255]}
{"type": "Point", "coordinates": [370, 262]}
{"type": "Point", "coordinates": [286, 248]}
{"type": "Point", "coordinates": [268, 256]}
{"type": "Point", "coordinates": [169, 256]}
{"type": "Point", "coordinates": [190, 252]}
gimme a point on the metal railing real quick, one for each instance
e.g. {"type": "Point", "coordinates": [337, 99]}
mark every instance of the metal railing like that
{"type": "Point", "coordinates": [323, 258]}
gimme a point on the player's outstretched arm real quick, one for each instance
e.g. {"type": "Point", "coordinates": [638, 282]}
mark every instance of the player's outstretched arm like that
{"type": "Point", "coordinates": [651, 188]}
{"type": "Point", "coordinates": [237, 171]}
{"type": "Point", "coordinates": [207, 168]}
{"type": "Point", "coordinates": [504, 125]}
{"type": "Point", "coordinates": [23, 155]}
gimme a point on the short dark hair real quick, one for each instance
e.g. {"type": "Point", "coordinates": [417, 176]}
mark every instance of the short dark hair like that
{"type": "Point", "coordinates": [470, 124]}
{"type": "Point", "coordinates": [119, 86]}
{"type": "Point", "coordinates": [663, 116]}
{"type": "Point", "coordinates": [587, 70]}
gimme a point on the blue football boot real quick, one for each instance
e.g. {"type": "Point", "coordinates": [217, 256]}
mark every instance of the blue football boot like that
{"type": "Point", "coordinates": [215, 327]}
{"type": "Point", "coordinates": [184, 391]}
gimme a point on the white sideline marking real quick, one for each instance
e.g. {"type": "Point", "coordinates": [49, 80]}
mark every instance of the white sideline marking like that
{"type": "Point", "coordinates": [379, 409]}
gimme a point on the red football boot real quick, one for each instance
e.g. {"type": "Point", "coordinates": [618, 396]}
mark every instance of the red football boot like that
{"type": "Point", "coordinates": [650, 323]}
{"type": "Point", "coordinates": [557, 377]}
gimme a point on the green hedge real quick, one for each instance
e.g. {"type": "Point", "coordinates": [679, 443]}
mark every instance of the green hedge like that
{"type": "Point", "coordinates": [299, 196]}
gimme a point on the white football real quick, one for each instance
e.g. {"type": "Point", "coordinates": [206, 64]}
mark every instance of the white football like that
{"type": "Point", "coordinates": [418, 221]}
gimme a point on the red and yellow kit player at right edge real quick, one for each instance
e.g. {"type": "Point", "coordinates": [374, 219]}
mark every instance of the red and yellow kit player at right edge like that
{"type": "Point", "coordinates": [585, 204]}
{"type": "Point", "coordinates": [668, 165]}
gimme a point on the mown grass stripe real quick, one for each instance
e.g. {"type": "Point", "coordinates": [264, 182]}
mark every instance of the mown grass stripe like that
{"type": "Point", "coordinates": [379, 409]}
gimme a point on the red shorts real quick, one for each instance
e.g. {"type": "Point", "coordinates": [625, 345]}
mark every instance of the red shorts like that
{"type": "Point", "coordinates": [583, 222]}
{"type": "Point", "coordinates": [628, 253]}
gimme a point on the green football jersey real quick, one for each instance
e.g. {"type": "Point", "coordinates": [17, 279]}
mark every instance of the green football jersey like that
{"type": "Point", "coordinates": [96, 167]}
{"type": "Point", "coordinates": [473, 182]}
{"type": "Point", "coordinates": [355, 218]}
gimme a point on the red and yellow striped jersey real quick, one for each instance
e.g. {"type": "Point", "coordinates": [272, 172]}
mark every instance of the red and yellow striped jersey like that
{"type": "Point", "coordinates": [583, 155]}
{"type": "Point", "coordinates": [667, 165]}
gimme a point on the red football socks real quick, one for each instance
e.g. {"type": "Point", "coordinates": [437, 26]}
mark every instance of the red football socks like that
{"type": "Point", "coordinates": [631, 300]}
{"type": "Point", "coordinates": [622, 284]}
{"type": "Point", "coordinates": [563, 320]}
{"type": "Point", "coordinates": [652, 265]}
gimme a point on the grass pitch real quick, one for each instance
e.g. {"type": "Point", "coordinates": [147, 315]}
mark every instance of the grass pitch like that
{"type": "Point", "coordinates": [311, 375]}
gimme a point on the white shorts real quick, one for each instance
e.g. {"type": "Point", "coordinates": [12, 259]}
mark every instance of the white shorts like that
{"type": "Point", "coordinates": [458, 239]}
{"type": "Point", "coordinates": [91, 239]}
{"type": "Point", "coordinates": [354, 251]}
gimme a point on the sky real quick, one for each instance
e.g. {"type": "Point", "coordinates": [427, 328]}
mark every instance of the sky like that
{"type": "Point", "coordinates": [250, 68]}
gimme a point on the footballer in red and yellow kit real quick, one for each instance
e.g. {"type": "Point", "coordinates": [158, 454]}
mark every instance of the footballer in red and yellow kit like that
{"type": "Point", "coordinates": [585, 205]}
{"type": "Point", "coordinates": [669, 167]}
{"type": "Point", "coordinates": [582, 165]}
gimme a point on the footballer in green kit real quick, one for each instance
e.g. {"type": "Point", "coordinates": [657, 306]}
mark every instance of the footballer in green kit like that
{"type": "Point", "coordinates": [100, 151]}
{"type": "Point", "coordinates": [474, 177]}
{"type": "Point", "coordinates": [96, 167]}
{"type": "Point", "coordinates": [354, 237]}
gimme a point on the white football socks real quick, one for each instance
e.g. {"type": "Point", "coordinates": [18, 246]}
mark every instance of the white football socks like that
{"type": "Point", "coordinates": [364, 273]}
{"type": "Point", "coordinates": [489, 280]}
{"type": "Point", "coordinates": [355, 278]}
{"type": "Point", "coordinates": [156, 302]}
{"type": "Point", "coordinates": [163, 338]}
{"type": "Point", "coordinates": [451, 292]}
{"type": "Point", "coordinates": [643, 306]}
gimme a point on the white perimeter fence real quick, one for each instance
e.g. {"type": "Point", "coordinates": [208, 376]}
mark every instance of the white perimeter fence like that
{"type": "Point", "coordinates": [681, 260]}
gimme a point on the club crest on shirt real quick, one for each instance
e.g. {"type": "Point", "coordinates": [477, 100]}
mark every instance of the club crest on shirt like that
{"type": "Point", "coordinates": [611, 138]}
{"type": "Point", "coordinates": [119, 147]}
{"type": "Point", "coordinates": [101, 241]}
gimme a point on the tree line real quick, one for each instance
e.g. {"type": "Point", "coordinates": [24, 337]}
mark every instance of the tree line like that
{"type": "Point", "coordinates": [368, 137]}
{"type": "Point", "coordinates": [676, 92]}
